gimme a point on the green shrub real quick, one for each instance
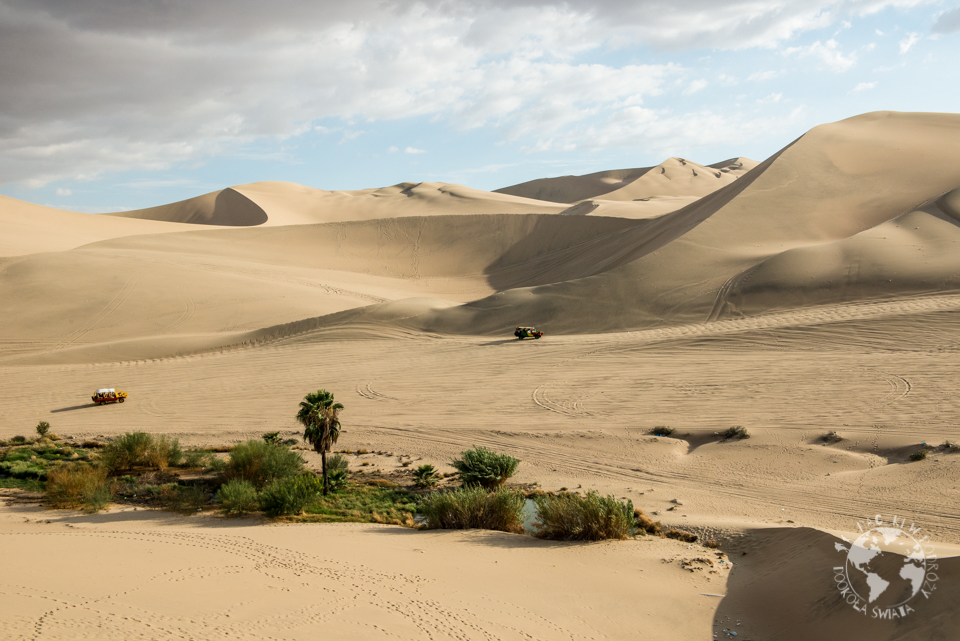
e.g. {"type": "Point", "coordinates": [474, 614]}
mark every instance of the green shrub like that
{"type": "Point", "coordinates": [139, 449]}
{"type": "Point", "coordinates": [42, 428]}
{"type": "Point", "coordinates": [425, 476]}
{"type": "Point", "coordinates": [474, 507]}
{"type": "Point", "coordinates": [919, 455]}
{"type": "Point", "coordinates": [78, 486]}
{"type": "Point", "coordinates": [261, 463]}
{"type": "Point", "coordinates": [662, 430]}
{"type": "Point", "coordinates": [290, 496]}
{"type": "Point", "coordinates": [272, 438]}
{"type": "Point", "coordinates": [571, 517]}
{"type": "Point", "coordinates": [484, 467]}
{"type": "Point", "coordinates": [238, 497]}
{"type": "Point", "coordinates": [337, 462]}
{"type": "Point", "coordinates": [18, 439]}
{"type": "Point", "coordinates": [183, 498]}
{"type": "Point", "coordinates": [737, 431]}
{"type": "Point", "coordinates": [337, 479]}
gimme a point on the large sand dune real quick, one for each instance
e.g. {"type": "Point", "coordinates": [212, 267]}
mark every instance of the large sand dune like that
{"type": "Point", "coordinates": [816, 291]}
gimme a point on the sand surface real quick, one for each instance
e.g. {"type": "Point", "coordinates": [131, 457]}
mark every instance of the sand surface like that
{"type": "Point", "coordinates": [816, 291]}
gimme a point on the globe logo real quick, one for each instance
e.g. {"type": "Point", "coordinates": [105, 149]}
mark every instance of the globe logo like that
{"type": "Point", "coordinates": [886, 566]}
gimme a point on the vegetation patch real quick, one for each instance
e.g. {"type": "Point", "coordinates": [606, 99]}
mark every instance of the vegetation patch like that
{"type": "Point", "coordinates": [238, 497]}
{"type": "Point", "coordinates": [592, 517]}
{"type": "Point", "coordinates": [374, 502]}
{"type": "Point", "coordinates": [662, 430]}
{"type": "Point", "coordinates": [425, 476]}
{"type": "Point", "coordinates": [141, 450]}
{"type": "Point", "coordinates": [736, 432]}
{"type": "Point", "coordinates": [474, 507]}
{"type": "Point", "coordinates": [483, 467]}
{"type": "Point", "coordinates": [79, 486]}
{"type": "Point", "coordinates": [919, 455]}
{"type": "Point", "coordinates": [261, 463]}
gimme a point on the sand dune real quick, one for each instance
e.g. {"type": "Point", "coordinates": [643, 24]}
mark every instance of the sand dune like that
{"type": "Point", "coordinates": [29, 229]}
{"type": "Point", "coordinates": [675, 177]}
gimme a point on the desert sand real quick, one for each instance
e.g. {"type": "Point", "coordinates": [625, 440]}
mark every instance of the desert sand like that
{"type": "Point", "coordinates": [813, 292]}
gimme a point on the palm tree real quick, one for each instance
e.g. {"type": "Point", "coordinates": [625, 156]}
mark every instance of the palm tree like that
{"type": "Point", "coordinates": [319, 416]}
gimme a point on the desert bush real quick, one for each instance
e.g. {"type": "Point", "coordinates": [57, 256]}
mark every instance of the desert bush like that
{"type": "Point", "coordinates": [362, 451]}
{"type": "Point", "coordinates": [645, 523]}
{"type": "Point", "coordinates": [78, 486]}
{"type": "Point", "coordinates": [474, 507]}
{"type": "Point", "coordinates": [737, 431]}
{"type": "Point", "coordinates": [196, 458]}
{"type": "Point", "coordinates": [571, 517]}
{"type": "Point", "coordinates": [337, 462]}
{"type": "Point", "coordinates": [261, 463]}
{"type": "Point", "coordinates": [290, 496]}
{"type": "Point", "coordinates": [425, 476]}
{"type": "Point", "coordinates": [712, 544]}
{"type": "Point", "coordinates": [18, 440]}
{"type": "Point", "coordinates": [662, 430]}
{"type": "Point", "coordinates": [139, 449]}
{"type": "Point", "coordinates": [337, 479]}
{"type": "Point", "coordinates": [238, 497]}
{"type": "Point", "coordinates": [42, 428]}
{"type": "Point", "coordinates": [272, 438]}
{"type": "Point", "coordinates": [831, 437]}
{"type": "Point", "coordinates": [919, 455]}
{"type": "Point", "coordinates": [484, 467]}
{"type": "Point", "coordinates": [686, 537]}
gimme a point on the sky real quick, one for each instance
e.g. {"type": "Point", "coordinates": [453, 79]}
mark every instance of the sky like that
{"type": "Point", "coordinates": [109, 106]}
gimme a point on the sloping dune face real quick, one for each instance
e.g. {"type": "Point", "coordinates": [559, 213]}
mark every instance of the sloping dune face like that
{"type": "Point", "coordinates": [227, 207]}
{"type": "Point", "coordinates": [673, 178]}
{"type": "Point", "coordinates": [824, 198]}
{"type": "Point", "coordinates": [28, 229]}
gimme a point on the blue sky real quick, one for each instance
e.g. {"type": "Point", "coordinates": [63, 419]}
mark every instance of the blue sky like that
{"type": "Point", "coordinates": [111, 106]}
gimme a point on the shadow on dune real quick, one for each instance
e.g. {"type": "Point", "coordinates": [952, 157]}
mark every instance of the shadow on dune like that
{"type": "Point", "coordinates": [489, 538]}
{"type": "Point", "coordinates": [783, 589]}
{"type": "Point", "coordinates": [72, 408]}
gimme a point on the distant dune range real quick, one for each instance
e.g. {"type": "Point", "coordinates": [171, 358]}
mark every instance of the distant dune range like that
{"type": "Point", "coordinates": [856, 210]}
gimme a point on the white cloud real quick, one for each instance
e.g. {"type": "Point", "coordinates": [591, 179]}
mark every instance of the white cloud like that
{"type": "Point", "coordinates": [772, 98]}
{"type": "Point", "coordinates": [947, 22]}
{"type": "Point", "coordinates": [89, 89]}
{"type": "Point", "coordinates": [827, 52]}
{"type": "Point", "coordinates": [863, 86]}
{"type": "Point", "coordinates": [759, 76]}
{"type": "Point", "coordinates": [392, 150]}
{"type": "Point", "coordinates": [414, 150]}
{"type": "Point", "coordinates": [695, 86]}
{"type": "Point", "coordinates": [908, 42]}
{"type": "Point", "coordinates": [878, 32]}
{"type": "Point", "coordinates": [63, 191]}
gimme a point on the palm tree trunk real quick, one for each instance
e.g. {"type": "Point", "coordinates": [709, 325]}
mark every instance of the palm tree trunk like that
{"type": "Point", "coordinates": [323, 462]}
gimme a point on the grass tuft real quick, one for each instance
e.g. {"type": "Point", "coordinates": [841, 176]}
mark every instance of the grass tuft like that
{"type": "Point", "coordinates": [686, 537]}
{"type": "Point", "coordinates": [78, 486]}
{"type": "Point", "coordinates": [290, 496]}
{"type": "Point", "coordinates": [474, 507]}
{"type": "Point", "coordinates": [572, 517]}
